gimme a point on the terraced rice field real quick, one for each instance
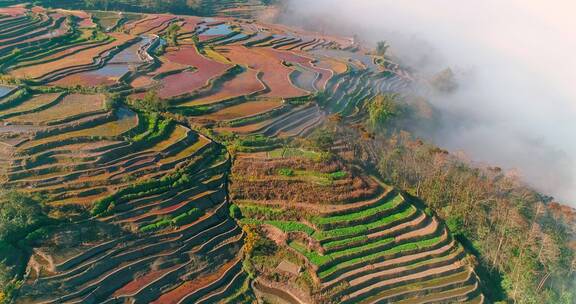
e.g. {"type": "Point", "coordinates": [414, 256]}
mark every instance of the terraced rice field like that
{"type": "Point", "coordinates": [80, 173]}
{"type": "Point", "coordinates": [35, 102]}
{"type": "Point", "coordinates": [274, 74]}
{"type": "Point", "coordinates": [245, 109]}
{"type": "Point", "coordinates": [5, 90]}
{"type": "Point", "coordinates": [297, 59]}
{"type": "Point", "coordinates": [151, 24]}
{"type": "Point", "coordinates": [246, 83]}
{"type": "Point", "coordinates": [190, 81]}
{"type": "Point", "coordinates": [146, 190]}
{"type": "Point", "coordinates": [85, 57]}
{"type": "Point", "coordinates": [70, 106]}
{"type": "Point", "coordinates": [109, 74]}
{"type": "Point", "coordinates": [370, 246]}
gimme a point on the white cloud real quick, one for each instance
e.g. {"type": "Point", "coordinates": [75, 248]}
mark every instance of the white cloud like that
{"type": "Point", "coordinates": [522, 93]}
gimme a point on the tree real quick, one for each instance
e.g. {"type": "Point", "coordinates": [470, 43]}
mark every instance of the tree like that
{"type": "Point", "coordinates": [322, 139]}
{"type": "Point", "coordinates": [19, 215]}
{"type": "Point", "coordinates": [455, 225]}
{"type": "Point", "coordinates": [445, 81]}
{"type": "Point", "coordinates": [381, 109]}
{"type": "Point", "coordinates": [7, 283]}
{"type": "Point", "coordinates": [381, 48]}
{"type": "Point", "coordinates": [151, 102]}
{"type": "Point", "coordinates": [171, 35]}
{"type": "Point", "coordinates": [194, 4]}
{"type": "Point", "coordinates": [113, 100]}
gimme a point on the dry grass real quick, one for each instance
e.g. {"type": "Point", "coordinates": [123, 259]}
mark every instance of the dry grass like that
{"type": "Point", "coordinates": [142, 81]}
{"type": "Point", "coordinates": [258, 179]}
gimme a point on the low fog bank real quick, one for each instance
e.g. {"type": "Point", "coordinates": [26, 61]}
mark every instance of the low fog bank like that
{"type": "Point", "coordinates": [516, 102]}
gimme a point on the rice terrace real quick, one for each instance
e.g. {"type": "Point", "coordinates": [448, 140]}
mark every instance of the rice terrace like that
{"type": "Point", "coordinates": [201, 152]}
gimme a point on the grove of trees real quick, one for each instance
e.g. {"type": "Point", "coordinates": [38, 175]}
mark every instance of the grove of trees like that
{"type": "Point", "coordinates": [21, 222]}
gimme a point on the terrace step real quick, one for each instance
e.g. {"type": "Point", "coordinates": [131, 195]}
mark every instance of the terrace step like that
{"type": "Point", "coordinates": [378, 275]}
{"type": "Point", "coordinates": [142, 258]}
{"type": "Point", "coordinates": [218, 295]}
{"type": "Point", "coordinates": [286, 119]}
{"type": "Point", "coordinates": [296, 122]}
{"type": "Point", "coordinates": [398, 229]}
{"type": "Point", "coordinates": [355, 296]}
{"type": "Point", "coordinates": [218, 283]}
{"type": "Point", "coordinates": [329, 271]}
{"type": "Point", "coordinates": [306, 126]}
{"type": "Point", "coordinates": [97, 62]}
{"type": "Point", "coordinates": [462, 294]}
{"type": "Point", "coordinates": [90, 257]}
{"type": "Point", "coordinates": [378, 246]}
{"type": "Point", "coordinates": [356, 271]}
{"type": "Point", "coordinates": [382, 208]}
{"type": "Point", "coordinates": [422, 288]}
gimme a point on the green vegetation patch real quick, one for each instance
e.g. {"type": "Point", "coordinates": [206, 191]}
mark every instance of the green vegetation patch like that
{"type": "Point", "coordinates": [261, 212]}
{"type": "Point", "coordinates": [340, 243]}
{"type": "Point", "coordinates": [179, 220]}
{"type": "Point", "coordinates": [312, 256]}
{"type": "Point", "coordinates": [320, 178]}
{"type": "Point", "coordinates": [375, 256]}
{"type": "Point", "coordinates": [294, 152]}
{"type": "Point", "coordinates": [285, 226]}
{"type": "Point", "coordinates": [321, 221]}
{"type": "Point", "coordinates": [363, 228]}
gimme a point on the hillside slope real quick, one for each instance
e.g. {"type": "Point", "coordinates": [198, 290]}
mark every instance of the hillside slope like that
{"type": "Point", "coordinates": [182, 159]}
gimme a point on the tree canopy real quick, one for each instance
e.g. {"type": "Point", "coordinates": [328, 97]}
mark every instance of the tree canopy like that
{"type": "Point", "coordinates": [19, 215]}
{"type": "Point", "coordinates": [381, 109]}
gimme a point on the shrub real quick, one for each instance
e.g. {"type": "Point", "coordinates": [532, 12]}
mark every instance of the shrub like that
{"type": "Point", "coordinates": [338, 175]}
{"type": "Point", "coordinates": [157, 226]}
{"type": "Point", "coordinates": [286, 172]}
{"type": "Point", "coordinates": [322, 139]}
{"type": "Point", "coordinates": [455, 225]}
{"type": "Point", "coordinates": [179, 220]}
{"type": "Point", "coordinates": [187, 218]}
{"type": "Point", "coordinates": [314, 257]}
{"type": "Point", "coordinates": [262, 212]}
{"type": "Point", "coordinates": [235, 212]}
{"type": "Point", "coordinates": [340, 219]}
{"type": "Point", "coordinates": [19, 216]}
{"type": "Point", "coordinates": [382, 109]}
{"type": "Point", "coordinates": [257, 141]}
{"type": "Point", "coordinates": [264, 246]}
{"type": "Point", "coordinates": [38, 234]}
{"type": "Point", "coordinates": [112, 101]}
{"type": "Point", "coordinates": [285, 226]}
